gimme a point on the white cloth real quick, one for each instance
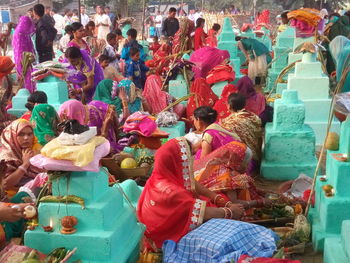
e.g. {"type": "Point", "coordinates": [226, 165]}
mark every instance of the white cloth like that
{"type": "Point", "coordinates": [63, 45]}
{"type": "Point", "coordinates": [77, 139]}
{"type": "Point", "coordinates": [111, 52]}
{"type": "Point", "coordinates": [158, 20]}
{"type": "Point", "coordinates": [84, 19]}
{"type": "Point", "coordinates": [102, 31]}
{"type": "Point", "coordinates": [75, 19]}
{"type": "Point", "coordinates": [196, 16]}
{"type": "Point", "coordinates": [59, 23]}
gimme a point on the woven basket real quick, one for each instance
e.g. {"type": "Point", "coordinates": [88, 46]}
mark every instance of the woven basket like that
{"type": "Point", "coordinates": [124, 174]}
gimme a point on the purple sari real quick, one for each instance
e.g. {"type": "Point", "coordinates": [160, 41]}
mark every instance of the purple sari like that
{"type": "Point", "coordinates": [97, 114]}
{"type": "Point", "coordinates": [22, 42]}
{"type": "Point", "coordinates": [79, 75]}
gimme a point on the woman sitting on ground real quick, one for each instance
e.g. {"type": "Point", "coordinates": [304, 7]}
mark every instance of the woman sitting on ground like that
{"type": "Point", "coordinates": [37, 97]}
{"type": "Point", "coordinates": [85, 76]}
{"type": "Point", "coordinates": [157, 99]}
{"type": "Point", "coordinates": [18, 145]}
{"type": "Point", "coordinates": [44, 120]}
{"type": "Point", "coordinates": [108, 92]}
{"type": "Point", "coordinates": [246, 125]}
{"type": "Point", "coordinates": [230, 178]}
{"type": "Point", "coordinates": [255, 101]}
{"type": "Point", "coordinates": [172, 202]}
{"type": "Point", "coordinates": [95, 114]}
{"type": "Point", "coordinates": [6, 66]}
{"type": "Point", "coordinates": [77, 39]}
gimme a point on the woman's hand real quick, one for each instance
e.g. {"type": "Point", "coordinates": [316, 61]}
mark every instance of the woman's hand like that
{"type": "Point", "coordinates": [26, 155]}
{"type": "Point", "coordinates": [9, 214]}
{"type": "Point", "coordinates": [237, 210]}
{"type": "Point", "coordinates": [122, 95]}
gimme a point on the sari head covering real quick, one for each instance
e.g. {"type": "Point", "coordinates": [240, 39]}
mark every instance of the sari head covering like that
{"type": "Point", "coordinates": [221, 105]}
{"type": "Point", "coordinates": [167, 205]}
{"type": "Point", "coordinates": [134, 95]}
{"type": "Point", "coordinates": [104, 92]}
{"type": "Point", "coordinates": [212, 40]}
{"type": "Point", "coordinates": [202, 96]}
{"type": "Point", "coordinates": [73, 110]}
{"type": "Point", "coordinates": [22, 42]}
{"type": "Point", "coordinates": [44, 120]}
{"type": "Point", "coordinates": [155, 97]}
{"type": "Point", "coordinates": [6, 66]}
{"type": "Point", "coordinates": [11, 150]}
{"type": "Point", "coordinates": [79, 74]}
{"type": "Point", "coordinates": [255, 101]}
{"type": "Point", "coordinates": [340, 51]}
{"type": "Point", "coordinates": [182, 38]}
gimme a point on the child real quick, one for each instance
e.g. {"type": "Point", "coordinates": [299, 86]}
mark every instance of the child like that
{"type": "Point", "coordinates": [132, 43]}
{"type": "Point", "coordinates": [111, 51]}
{"type": "Point", "coordinates": [155, 45]}
{"type": "Point", "coordinates": [136, 69]}
{"type": "Point", "coordinates": [63, 44]}
{"type": "Point", "coordinates": [212, 40]}
{"type": "Point", "coordinates": [152, 30]}
{"type": "Point", "coordinates": [120, 40]}
{"type": "Point", "coordinates": [108, 71]}
{"type": "Point", "coordinates": [199, 34]}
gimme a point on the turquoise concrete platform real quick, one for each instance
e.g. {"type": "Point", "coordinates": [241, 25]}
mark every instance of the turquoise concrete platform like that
{"type": "Point", "coordinates": [55, 89]}
{"type": "Point", "coordinates": [289, 144]}
{"type": "Point", "coordinates": [337, 249]}
{"type": "Point", "coordinates": [107, 229]}
{"type": "Point", "coordinates": [18, 103]}
{"type": "Point", "coordinates": [177, 130]}
{"type": "Point", "coordinates": [178, 87]}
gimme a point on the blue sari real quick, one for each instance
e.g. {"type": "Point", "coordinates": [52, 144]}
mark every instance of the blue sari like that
{"type": "Point", "coordinates": [340, 50]}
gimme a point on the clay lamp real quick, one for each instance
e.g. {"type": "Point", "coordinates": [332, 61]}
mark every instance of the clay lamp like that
{"type": "Point", "coordinates": [340, 157]}
{"type": "Point", "coordinates": [323, 178]}
{"type": "Point", "coordinates": [329, 190]}
{"type": "Point", "coordinates": [48, 228]}
{"type": "Point", "coordinates": [68, 223]}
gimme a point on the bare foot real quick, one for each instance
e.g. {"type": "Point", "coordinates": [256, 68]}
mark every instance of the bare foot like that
{"type": "Point", "coordinates": [237, 211]}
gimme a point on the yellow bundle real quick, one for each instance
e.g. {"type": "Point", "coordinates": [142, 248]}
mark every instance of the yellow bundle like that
{"type": "Point", "coordinates": [332, 142]}
{"type": "Point", "coordinates": [308, 15]}
{"type": "Point", "coordinates": [80, 155]}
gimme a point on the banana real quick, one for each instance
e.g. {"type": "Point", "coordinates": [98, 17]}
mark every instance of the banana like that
{"type": "Point", "coordinates": [63, 199]}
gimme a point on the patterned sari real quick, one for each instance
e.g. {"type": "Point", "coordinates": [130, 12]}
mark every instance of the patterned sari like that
{"type": "Point", "coordinates": [248, 127]}
{"type": "Point", "coordinates": [11, 152]}
{"type": "Point", "coordinates": [221, 105]}
{"type": "Point", "coordinates": [168, 205]}
{"type": "Point", "coordinates": [44, 120]}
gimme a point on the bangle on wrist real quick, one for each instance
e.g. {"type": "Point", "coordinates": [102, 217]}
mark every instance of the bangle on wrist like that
{"type": "Point", "coordinates": [228, 204]}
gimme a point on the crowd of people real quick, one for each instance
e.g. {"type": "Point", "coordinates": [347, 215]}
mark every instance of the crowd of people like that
{"type": "Point", "coordinates": [209, 173]}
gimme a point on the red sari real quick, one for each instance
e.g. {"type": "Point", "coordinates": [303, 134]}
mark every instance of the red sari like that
{"type": "Point", "coordinates": [211, 40]}
{"type": "Point", "coordinates": [221, 105]}
{"type": "Point", "coordinates": [168, 206]}
{"type": "Point", "coordinates": [199, 34]}
{"type": "Point", "coordinates": [203, 96]}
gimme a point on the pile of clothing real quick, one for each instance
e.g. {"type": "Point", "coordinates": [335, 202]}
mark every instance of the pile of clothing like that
{"type": "Point", "coordinates": [48, 68]}
{"type": "Point", "coordinates": [76, 149]}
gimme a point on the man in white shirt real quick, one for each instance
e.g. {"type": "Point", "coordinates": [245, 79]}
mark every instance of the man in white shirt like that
{"type": "Point", "coordinates": [103, 23]}
{"type": "Point", "coordinates": [159, 21]}
{"type": "Point", "coordinates": [197, 15]}
{"type": "Point", "coordinates": [84, 17]}
{"type": "Point", "coordinates": [59, 23]}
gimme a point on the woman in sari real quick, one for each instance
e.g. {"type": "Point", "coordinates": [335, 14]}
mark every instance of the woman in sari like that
{"type": "Point", "coordinates": [157, 99]}
{"type": "Point", "coordinates": [182, 39]}
{"type": "Point", "coordinates": [108, 91]}
{"type": "Point", "coordinates": [95, 114]}
{"type": "Point", "coordinates": [255, 101]}
{"type": "Point", "coordinates": [96, 45]}
{"type": "Point", "coordinates": [22, 43]}
{"type": "Point", "coordinates": [161, 59]}
{"type": "Point", "coordinates": [85, 74]}
{"type": "Point", "coordinates": [221, 105]}
{"type": "Point", "coordinates": [44, 120]}
{"type": "Point", "coordinates": [78, 41]}
{"type": "Point", "coordinates": [246, 125]}
{"type": "Point", "coordinates": [172, 202]}
{"type": "Point", "coordinates": [340, 51]}
{"type": "Point", "coordinates": [202, 96]}
{"type": "Point", "coordinates": [37, 97]}
{"type": "Point", "coordinates": [257, 54]}
{"type": "Point", "coordinates": [228, 178]}
{"type": "Point", "coordinates": [6, 66]}
{"type": "Point", "coordinates": [18, 145]}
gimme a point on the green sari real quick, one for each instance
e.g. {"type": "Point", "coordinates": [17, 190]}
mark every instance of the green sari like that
{"type": "Point", "coordinates": [44, 120]}
{"type": "Point", "coordinates": [103, 93]}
